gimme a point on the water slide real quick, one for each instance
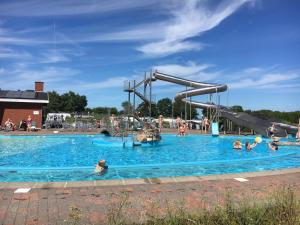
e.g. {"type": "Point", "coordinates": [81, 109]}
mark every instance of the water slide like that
{"type": "Point", "coordinates": [260, 126]}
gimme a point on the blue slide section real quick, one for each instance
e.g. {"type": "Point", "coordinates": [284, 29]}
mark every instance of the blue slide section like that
{"type": "Point", "coordinates": [215, 129]}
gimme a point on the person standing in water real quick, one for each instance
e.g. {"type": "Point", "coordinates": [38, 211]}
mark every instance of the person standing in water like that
{"type": "Point", "coordinates": [206, 124]}
{"type": "Point", "coordinates": [178, 122]}
{"type": "Point", "coordinates": [298, 133]}
{"type": "Point", "coordinates": [160, 122]}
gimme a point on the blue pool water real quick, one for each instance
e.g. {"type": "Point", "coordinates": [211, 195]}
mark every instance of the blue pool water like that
{"type": "Point", "coordinates": [73, 157]}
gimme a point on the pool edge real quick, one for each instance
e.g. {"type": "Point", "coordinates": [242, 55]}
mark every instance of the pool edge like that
{"type": "Point", "coordinates": [126, 182]}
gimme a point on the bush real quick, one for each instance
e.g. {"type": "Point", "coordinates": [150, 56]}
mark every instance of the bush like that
{"type": "Point", "coordinates": [280, 208]}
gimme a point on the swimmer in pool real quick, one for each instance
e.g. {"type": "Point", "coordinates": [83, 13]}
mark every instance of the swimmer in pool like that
{"type": "Point", "coordinates": [237, 145]}
{"type": "Point", "coordinates": [101, 167]}
{"type": "Point", "coordinates": [274, 144]}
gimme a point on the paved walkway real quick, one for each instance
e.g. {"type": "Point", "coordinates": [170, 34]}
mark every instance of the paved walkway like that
{"type": "Point", "coordinates": [93, 132]}
{"type": "Point", "coordinates": [52, 205]}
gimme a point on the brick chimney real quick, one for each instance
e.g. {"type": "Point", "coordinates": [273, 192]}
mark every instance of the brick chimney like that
{"type": "Point", "coordinates": [39, 86]}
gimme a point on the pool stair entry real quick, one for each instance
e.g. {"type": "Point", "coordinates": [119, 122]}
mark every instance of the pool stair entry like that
{"type": "Point", "coordinates": [215, 129]}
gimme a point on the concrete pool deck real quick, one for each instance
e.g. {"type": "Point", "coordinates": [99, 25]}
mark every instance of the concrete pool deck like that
{"type": "Point", "coordinates": [50, 203]}
{"type": "Point", "coordinates": [97, 131]}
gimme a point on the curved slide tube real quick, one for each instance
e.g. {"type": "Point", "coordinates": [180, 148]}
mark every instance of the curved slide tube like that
{"type": "Point", "coordinates": [260, 126]}
{"type": "Point", "coordinates": [199, 88]}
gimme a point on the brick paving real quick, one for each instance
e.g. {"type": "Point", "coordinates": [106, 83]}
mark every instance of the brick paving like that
{"type": "Point", "coordinates": [48, 205]}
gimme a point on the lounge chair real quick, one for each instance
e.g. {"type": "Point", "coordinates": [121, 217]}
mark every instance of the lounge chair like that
{"type": "Point", "coordinates": [8, 129]}
{"type": "Point", "coordinates": [22, 125]}
{"type": "Point", "coordinates": [33, 126]}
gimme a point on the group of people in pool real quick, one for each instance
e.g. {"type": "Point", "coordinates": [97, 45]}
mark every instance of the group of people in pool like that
{"type": "Point", "coordinates": [101, 166]}
{"type": "Point", "coordinates": [273, 145]}
{"type": "Point", "coordinates": [238, 145]}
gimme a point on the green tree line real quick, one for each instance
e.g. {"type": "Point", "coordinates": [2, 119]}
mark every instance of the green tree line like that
{"type": "Point", "coordinates": [164, 107]}
{"type": "Point", "coordinates": [276, 116]}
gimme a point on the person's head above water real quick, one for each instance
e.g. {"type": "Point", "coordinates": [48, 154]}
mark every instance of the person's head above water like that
{"type": "Point", "coordinates": [275, 139]}
{"type": "Point", "coordinates": [101, 162]}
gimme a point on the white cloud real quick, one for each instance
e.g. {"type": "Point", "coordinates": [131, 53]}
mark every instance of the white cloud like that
{"type": "Point", "coordinates": [114, 82]}
{"type": "Point", "coordinates": [188, 69]}
{"type": "Point", "coordinates": [54, 56]}
{"type": "Point", "coordinates": [68, 7]}
{"type": "Point", "coordinates": [268, 80]}
{"type": "Point", "coordinates": [142, 32]}
{"type": "Point", "coordinates": [252, 70]}
{"type": "Point", "coordinates": [8, 53]}
{"type": "Point", "coordinates": [21, 77]}
{"type": "Point", "coordinates": [191, 71]}
{"type": "Point", "coordinates": [181, 21]}
{"type": "Point", "coordinates": [164, 48]}
{"type": "Point", "coordinates": [19, 41]}
{"type": "Point", "coordinates": [190, 19]}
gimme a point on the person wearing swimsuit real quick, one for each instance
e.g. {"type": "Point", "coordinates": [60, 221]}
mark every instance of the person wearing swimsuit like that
{"type": "Point", "coordinates": [29, 122]}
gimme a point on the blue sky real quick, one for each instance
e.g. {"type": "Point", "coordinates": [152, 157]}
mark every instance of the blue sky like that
{"type": "Point", "coordinates": [92, 47]}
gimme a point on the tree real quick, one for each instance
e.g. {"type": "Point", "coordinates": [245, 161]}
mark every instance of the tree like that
{"type": "Point", "coordinates": [68, 102]}
{"type": "Point", "coordinates": [179, 110]}
{"type": "Point", "coordinates": [164, 107]}
{"type": "Point", "coordinates": [143, 110]}
{"type": "Point", "coordinates": [127, 107]}
{"type": "Point", "coordinates": [114, 110]}
{"type": "Point", "coordinates": [73, 102]}
{"type": "Point", "coordinates": [237, 108]}
{"type": "Point", "coordinates": [55, 103]}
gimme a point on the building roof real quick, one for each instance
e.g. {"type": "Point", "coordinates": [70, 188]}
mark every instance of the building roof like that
{"type": "Point", "coordinates": [23, 96]}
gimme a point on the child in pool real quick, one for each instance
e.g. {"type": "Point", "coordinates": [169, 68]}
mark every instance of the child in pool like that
{"type": "Point", "coordinates": [274, 144]}
{"type": "Point", "coordinates": [101, 167]}
{"type": "Point", "coordinates": [237, 145]}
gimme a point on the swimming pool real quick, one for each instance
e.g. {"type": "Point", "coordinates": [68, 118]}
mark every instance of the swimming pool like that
{"type": "Point", "coordinates": [73, 157]}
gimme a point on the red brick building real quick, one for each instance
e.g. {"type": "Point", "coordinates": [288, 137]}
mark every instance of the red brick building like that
{"type": "Point", "coordinates": [17, 105]}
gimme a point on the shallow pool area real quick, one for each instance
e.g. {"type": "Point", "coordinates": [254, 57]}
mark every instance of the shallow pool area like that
{"type": "Point", "coordinates": [73, 157]}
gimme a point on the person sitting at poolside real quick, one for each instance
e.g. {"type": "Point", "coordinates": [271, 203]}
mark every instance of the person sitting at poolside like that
{"type": "Point", "coordinates": [237, 145]}
{"type": "Point", "coordinates": [101, 167]}
{"type": "Point", "coordinates": [9, 125]}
